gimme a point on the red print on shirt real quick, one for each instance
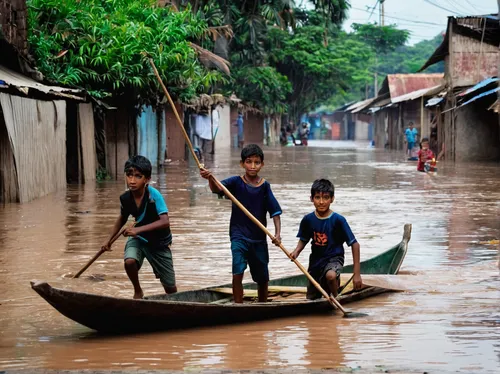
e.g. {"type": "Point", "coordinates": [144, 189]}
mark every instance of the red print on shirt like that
{"type": "Point", "coordinates": [320, 239]}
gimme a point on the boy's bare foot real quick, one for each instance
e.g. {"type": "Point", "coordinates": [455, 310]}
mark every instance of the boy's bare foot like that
{"type": "Point", "coordinates": [139, 295]}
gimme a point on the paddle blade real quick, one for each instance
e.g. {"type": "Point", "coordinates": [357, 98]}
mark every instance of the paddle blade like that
{"type": "Point", "coordinates": [354, 315]}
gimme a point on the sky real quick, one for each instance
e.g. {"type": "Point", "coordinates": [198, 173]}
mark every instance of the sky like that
{"type": "Point", "coordinates": [423, 19]}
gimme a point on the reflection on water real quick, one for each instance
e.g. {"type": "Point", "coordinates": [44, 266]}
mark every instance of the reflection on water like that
{"type": "Point", "coordinates": [453, 326]}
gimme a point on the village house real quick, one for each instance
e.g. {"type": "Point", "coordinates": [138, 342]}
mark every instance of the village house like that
{"type": "Point", "coordinates": [468, 114]}
{"type": "Point", "coordinates": [347, 122]}
{"type": "Point", "coordinates": [46, 132]}
{"type": "Point", "coordinates": [401, 100]}
{"type": "Point", "coordinates": [257, 127]}
{"type": "Point", "coordinates": [334, 120]}
{"type": "Point", "coordinates": [358, 124]}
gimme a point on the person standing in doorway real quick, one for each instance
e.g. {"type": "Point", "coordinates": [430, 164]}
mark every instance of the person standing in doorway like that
{"type": "Point", "coordinates": [411, 134]}
{"type": "Point", "coordinates": [239, 123]}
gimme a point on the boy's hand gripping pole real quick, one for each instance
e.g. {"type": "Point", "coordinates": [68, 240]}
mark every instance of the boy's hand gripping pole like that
{"type": "Point", "coordinates": [331, 300]}
{"type": "Point", "coordinates": [101, 251]}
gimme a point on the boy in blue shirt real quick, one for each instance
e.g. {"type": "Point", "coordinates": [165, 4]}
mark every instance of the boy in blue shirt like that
{"type": "Point", "coordinates": [248, 241]}
{"type": "Point", "coordinates": [411, 134]}
{"type": "Point", "coordinates": [328, 231]}
{"type": "Point", "coordinates": [150, 238]}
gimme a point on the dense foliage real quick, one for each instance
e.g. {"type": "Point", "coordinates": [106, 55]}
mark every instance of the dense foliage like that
{"type": "Point", "coordinates": [283, 59]}
{"type": "Point", "coordinates": [103, 46]}
{"type": "Point", "coordinates": [409, 59]}
{"type": "Point", "coordinates": [382, 39]}
{"type": "Point", "coordinates": [318, 67]}
{"type": "Point", "coordinates": [392, 59]}
{"type": "Point", "coordinates": [253, 58]}
{"type": "Point", "coordinates": [263, 87]}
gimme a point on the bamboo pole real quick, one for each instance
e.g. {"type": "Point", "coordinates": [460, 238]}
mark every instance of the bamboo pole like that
{"type": "Point", "coordinates": [99, 253]}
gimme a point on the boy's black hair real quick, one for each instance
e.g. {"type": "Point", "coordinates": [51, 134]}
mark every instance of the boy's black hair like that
{"type": "Point", "coordinates": [322, 185]}
{"type": "Point", "coordinates": [139, 163]}
{"type": "Point", "coordinates": [251, 150]}
{"type": "Point", "coordinates": [424, 140]}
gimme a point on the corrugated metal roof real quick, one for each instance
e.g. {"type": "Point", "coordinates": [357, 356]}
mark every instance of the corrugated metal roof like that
{"type": "Point", "coordinates": [339, 109]}
{"type": "Point", "coordinates": [478, 86]}
{"type": "Point", "coordinates": [10, 78]}
{"type": "Point", "coordinates": [418, 94]}
{"type": "Point", "coordinates": [490, 92]}
{"type": "Point", "coordinates": [366, 104]}
{"type": "Point", "coordinates": [402, 84]}
{"type": "Point", "coordinates": [359, 105]}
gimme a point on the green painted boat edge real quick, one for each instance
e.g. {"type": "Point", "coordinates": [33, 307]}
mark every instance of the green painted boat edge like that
{"type": "Point", "coordinates": [388, 262]}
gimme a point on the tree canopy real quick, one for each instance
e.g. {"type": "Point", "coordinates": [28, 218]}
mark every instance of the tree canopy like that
{"type": "Point", "coordinates": [103, 46]}
{"type": "Point", "coordinates": [317, 67]}
{"type": "Point", "coordinates": [283, 59]}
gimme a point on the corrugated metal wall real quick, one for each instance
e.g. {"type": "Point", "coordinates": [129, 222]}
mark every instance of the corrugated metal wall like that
{"type": "Point", "coordinates": [472, 61]}
{"type": "Point", "coordinates": [147, 134]}
{"type": "Point", "coordinates": [37, 133]}
{"type": "Point", "coordinates": [151, 135]}
{"type": "Point", "coordinates": [87, 136]}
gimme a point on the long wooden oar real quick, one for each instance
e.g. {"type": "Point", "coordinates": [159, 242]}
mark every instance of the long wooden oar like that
{"type": "Point", "coordinates": [100, 252]}
{"type": "Point", "coordinates": [331, 300]}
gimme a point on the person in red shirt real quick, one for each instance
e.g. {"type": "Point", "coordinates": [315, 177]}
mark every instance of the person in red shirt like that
{"type": "Point", "coordinates": [426, 158]}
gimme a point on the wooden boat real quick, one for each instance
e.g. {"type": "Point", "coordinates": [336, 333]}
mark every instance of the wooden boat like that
{"type": "Point", "coordinates": [212, 306]}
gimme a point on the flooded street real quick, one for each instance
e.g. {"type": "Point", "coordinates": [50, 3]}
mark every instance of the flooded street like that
{"type": "Point", "coordinates": [454, 325]}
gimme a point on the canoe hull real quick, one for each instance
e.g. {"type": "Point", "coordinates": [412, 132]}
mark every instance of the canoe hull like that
{"type": "Point", "coordinates": [114, 315]}
{"type": "Point", "coordinates": [202, 307]}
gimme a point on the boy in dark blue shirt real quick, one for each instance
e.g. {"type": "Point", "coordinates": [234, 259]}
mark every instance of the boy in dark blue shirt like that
{"type": "Point", "coordinates": [248, 241]}
{"type": "Point", "coordinates": [150, 238]}
{"type": "Point", "coordinates": [328, 231]}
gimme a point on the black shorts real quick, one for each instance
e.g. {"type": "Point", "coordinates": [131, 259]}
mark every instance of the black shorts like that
{"type": "Point", "coordinates": [336, 264]}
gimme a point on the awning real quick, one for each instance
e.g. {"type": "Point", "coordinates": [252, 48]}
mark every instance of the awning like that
{"type": "Point", "coordinates": [12, 79]}
{"type": "Point", "coordinates": [360, 105]}
{"type": "Point", "coordinates": [341, 108]}
{"type": "Point", "coordinates": [365, 105]}
{"type": "Point", "coordinates": [478, 86]}
{"type": "Point", "coordinates": [487, 93]}
{"type": "Point", "coordinates": [383, 103]}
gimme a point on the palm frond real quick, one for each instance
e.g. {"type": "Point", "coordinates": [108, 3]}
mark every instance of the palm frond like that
{"type": "Point", "coordinates": [207, 58]}
{"type": "Point", "coordinates": [216, 32]}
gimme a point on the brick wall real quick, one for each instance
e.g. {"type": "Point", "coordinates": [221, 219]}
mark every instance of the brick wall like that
{"type": "Point", "coordinates": [13, 16]}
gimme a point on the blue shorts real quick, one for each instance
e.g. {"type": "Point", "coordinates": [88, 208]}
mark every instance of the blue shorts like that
{"type": "Point", "coordinates": [411, 145]}
{"type": "Point", "coordinates": [256, 255]}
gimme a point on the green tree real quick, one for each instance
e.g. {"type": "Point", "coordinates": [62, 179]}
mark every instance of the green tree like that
{"type": "Point", "coordinates": [409, 59]}
{"type": "Point", "coordinates": [318, 71]}
{"type": "Point", "coordinates": [263, 88]}
{"type": "Point", "coordinates": [252, 23]}
{"type": "Point", "coordinates": [103, 46]}
{"type": "Point", "coordinates": [382, 39]}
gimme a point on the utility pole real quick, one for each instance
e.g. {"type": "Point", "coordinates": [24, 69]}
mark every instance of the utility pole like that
{"type": "Point", "coordinates": [381, 23]}
{"type": "Point", "coordinates": [382, 19]}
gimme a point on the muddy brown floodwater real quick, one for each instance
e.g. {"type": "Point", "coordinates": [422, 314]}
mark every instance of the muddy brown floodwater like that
{"type": "Point", "coordinates": [453, 325]}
